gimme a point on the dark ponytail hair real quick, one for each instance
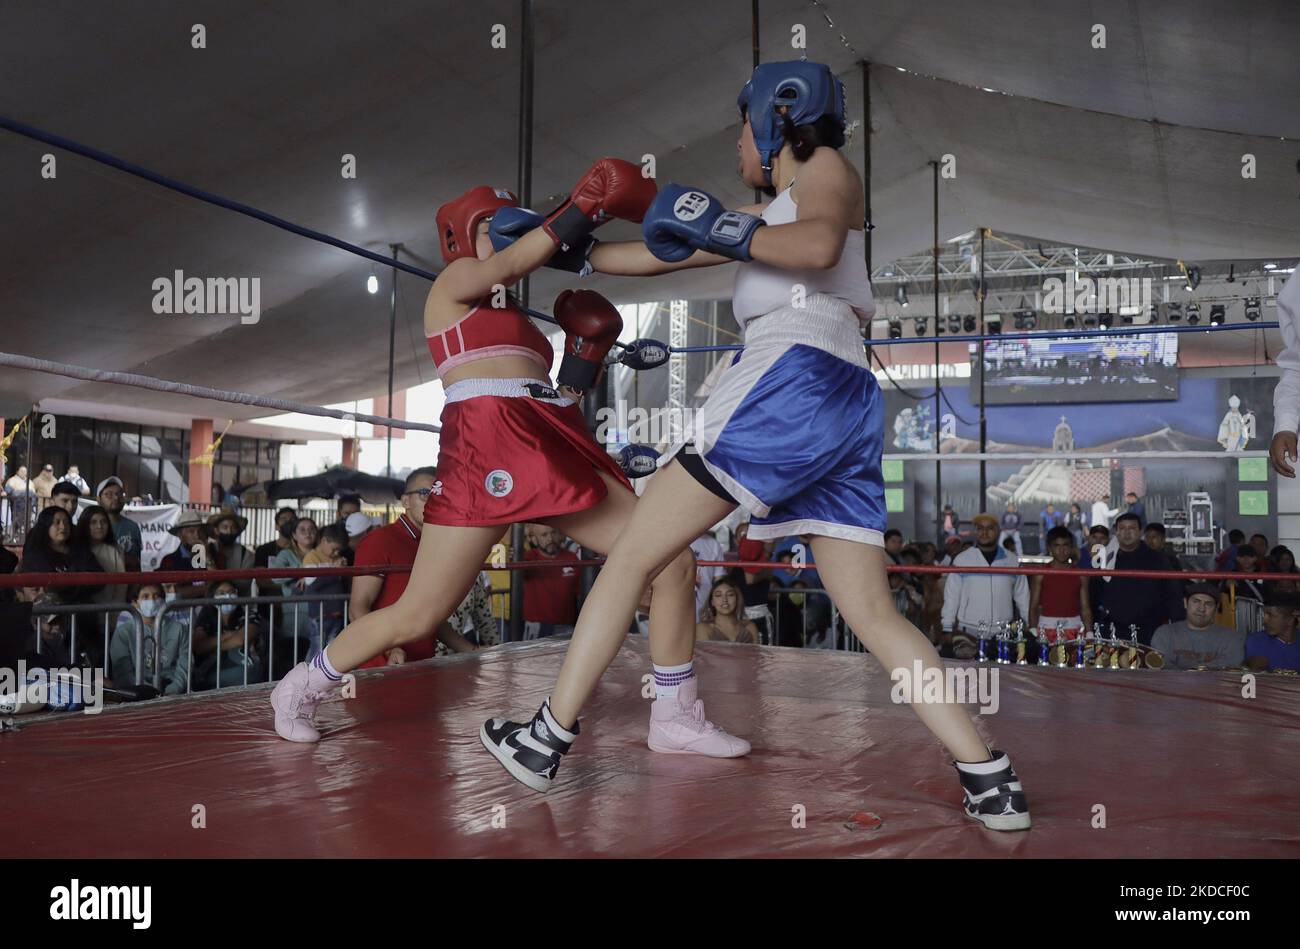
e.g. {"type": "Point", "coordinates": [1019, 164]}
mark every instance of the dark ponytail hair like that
{"type": "Point", "coordinates": [805, 139]}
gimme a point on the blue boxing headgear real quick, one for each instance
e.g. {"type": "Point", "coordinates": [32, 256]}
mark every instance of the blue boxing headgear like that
{"type": "Point", "coordinates": [811, 91]}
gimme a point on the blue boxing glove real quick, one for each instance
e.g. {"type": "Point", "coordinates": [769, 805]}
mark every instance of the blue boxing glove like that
{"type": "Point", "coordinates": [683, 220]}
{"type": "Point", "coordinates": [510, 224]}
{"type": "Point", "coordinates": [637, 461]}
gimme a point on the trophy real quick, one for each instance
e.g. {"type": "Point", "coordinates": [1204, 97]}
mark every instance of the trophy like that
{"type": "Point", "coordinates": [983, 631]}
{"type": "Point", "coordinates": [1133, 657]}
{"type": "Point", "coordinates": [1083, 642]}
{"type": "Point", "coordinates": [1022, 644]}
{"type": "Point", "coordinates": [1060, 644]}
{"type": "Point", "coordinates": [1114, 647]}
{"type": "Point", "coordinates": [1043, 646]}
{"type": "Point", "coordinates": [1002, 631]}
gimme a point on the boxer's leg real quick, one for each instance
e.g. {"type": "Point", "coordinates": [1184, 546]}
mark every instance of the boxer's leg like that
{"type": "Point", "coordinates": [674, 511]}
{"type": "Point", "coordinates": [677, 723]}
{"type": "Point", "coordinates": [446, 563]}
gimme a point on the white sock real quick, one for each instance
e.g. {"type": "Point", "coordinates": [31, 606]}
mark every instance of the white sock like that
{"type": "Point", "coordinates": [668, 679]}
{"type": "Point", "coordinates": [322, 662]}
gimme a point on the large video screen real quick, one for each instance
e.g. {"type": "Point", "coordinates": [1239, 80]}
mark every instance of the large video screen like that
{"type": "Point", "coordinates": [1051, 369]}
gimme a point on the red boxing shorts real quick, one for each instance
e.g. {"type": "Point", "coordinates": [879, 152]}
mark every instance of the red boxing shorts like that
{"type": "Point", "coordinates": [514, 450]}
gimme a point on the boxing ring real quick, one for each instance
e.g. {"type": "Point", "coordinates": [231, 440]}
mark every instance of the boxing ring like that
{"type": "Point", "coordinates": [1182, 765]}
{"type": "Point", "coordinates": [1115, 763]}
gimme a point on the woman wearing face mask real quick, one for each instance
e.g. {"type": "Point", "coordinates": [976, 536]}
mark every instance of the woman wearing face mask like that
{"type": "Point", "coordinates": [284, 519]}
{"type": "Point", "coordinates": [723, 620]}
{"type": "Point", "coordinates": [51, 548]}
{"type": "Point", "coordinates": [226, 654]}
{"type": "Point", "coordinates": [226, 526]}
{"type": "Point", "coordinates": [166, 657]}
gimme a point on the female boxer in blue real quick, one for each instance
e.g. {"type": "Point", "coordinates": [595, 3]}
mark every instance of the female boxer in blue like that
{"type": "Point", "coordinates": [793, 431]}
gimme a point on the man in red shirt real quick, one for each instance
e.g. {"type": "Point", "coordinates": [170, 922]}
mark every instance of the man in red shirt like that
{"type": "Point", "coordinates": [396, 543]}
{"type": "Point", "coordinates": [550, 593]}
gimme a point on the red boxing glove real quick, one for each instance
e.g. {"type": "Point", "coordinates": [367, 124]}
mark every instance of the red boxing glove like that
{"type": "Point", "coordinates": [611, 188]}
{"type": "Point", "coordinates": [591, 326]}
{"type": "Point", "coordinates": [750, 551]}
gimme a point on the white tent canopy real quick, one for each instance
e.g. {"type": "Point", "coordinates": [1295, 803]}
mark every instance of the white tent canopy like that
{"type": "Point", "coordinates": [1138, 147]}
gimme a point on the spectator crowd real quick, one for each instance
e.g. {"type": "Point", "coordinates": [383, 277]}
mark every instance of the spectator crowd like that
{"type": "Point", "coordinates": [161, 641]}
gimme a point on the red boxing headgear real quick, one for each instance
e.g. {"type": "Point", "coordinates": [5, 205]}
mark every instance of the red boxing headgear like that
{"type": "Point", "coordinates": [458, 220]}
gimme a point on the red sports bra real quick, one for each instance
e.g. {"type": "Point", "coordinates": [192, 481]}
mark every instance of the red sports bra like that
{"type": "Point", "coordinates": [487, 331]}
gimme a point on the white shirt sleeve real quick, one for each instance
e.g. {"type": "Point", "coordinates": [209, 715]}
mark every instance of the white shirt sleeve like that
{"type": "Point", "coordinates": [951, 599]}
{"type": "Point", "coordinates": [1020, 593]}
{"type": "Point", "coordinates": [1286, 396]}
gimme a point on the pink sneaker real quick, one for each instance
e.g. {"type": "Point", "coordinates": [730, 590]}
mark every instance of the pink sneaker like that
{"type": "Point", "coordinates": [295, 699]}
{"type": "Point", "coordinates": [678, 727]}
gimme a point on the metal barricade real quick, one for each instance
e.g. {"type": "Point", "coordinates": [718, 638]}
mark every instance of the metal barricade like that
{"type": "Point", "coordinates": [147, 650]}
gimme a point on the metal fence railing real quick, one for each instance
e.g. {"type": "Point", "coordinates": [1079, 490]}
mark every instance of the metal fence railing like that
{"type": "Point", "coordinates": [255, 660]}
{"type": "Point", "coordinates": [267, 630]}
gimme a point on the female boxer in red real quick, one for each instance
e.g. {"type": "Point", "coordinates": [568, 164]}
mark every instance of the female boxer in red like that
{"type": "Point", "coordinates": [515, 448]}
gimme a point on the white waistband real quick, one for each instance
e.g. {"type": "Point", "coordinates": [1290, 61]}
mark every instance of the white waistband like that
{"type": "Point", "coordinates": [503, 388]}
{"type": "Point", "coordinates": [824, 322]}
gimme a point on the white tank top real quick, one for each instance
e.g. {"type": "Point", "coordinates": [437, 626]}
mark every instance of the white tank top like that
{"type": "Point", "coordinates": [761, 288]}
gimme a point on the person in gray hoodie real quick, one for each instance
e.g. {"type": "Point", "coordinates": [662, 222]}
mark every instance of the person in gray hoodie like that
{"type": "Point", "coordinates": [166, 644]}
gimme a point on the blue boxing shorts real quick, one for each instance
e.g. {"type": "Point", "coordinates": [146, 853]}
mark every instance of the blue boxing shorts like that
{"type": "Point", "coordinates": [794, 428]}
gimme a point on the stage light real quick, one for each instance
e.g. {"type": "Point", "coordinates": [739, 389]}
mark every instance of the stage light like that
{"type": "Point", "coordinates": [1175, 312]}
{"type": "Point", "coordinates": [1026, 319]}
{"type": "Point", "coordinates": [954, 324]}
{"type": "Point", "coordinates": [968, 324]}
{"type": "Point", "coordinates": [920, 325]}
{"type": "Point", "coordinates": [1069, 321]}
{"type": "Point", "coordinates": [372, 283]}
{"type": "Point", "coordinates": [1252, 309]}
{"type": "Point", "coordinates": [900, 295]}
{"type": "Point", "coordinates": [895, 329]}
{"type": "Point", "coordinates": [1193, 313]}
{"type": "Point", "coordinates": [1154, 314]}
{"type": "Point", "coordinates": [1193, 278]}
{"type": "Point", "coordinates": [993, 325]}
{"type": "Point", "coordinates": [1217, 313]}
{"type": "Point", "coordinates": [1106, 320]}
{"type": "Point", "coordinates": [1270, 266]}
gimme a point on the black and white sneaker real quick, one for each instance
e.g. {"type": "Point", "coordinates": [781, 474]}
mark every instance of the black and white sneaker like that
{"type": "Point", "coordinates": [993, 795]}
{"type": "Point", "coordinates": [531, 751]}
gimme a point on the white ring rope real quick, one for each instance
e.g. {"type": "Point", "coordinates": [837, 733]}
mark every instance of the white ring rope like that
{"type": "Point", "coordinates": [14, 361]}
